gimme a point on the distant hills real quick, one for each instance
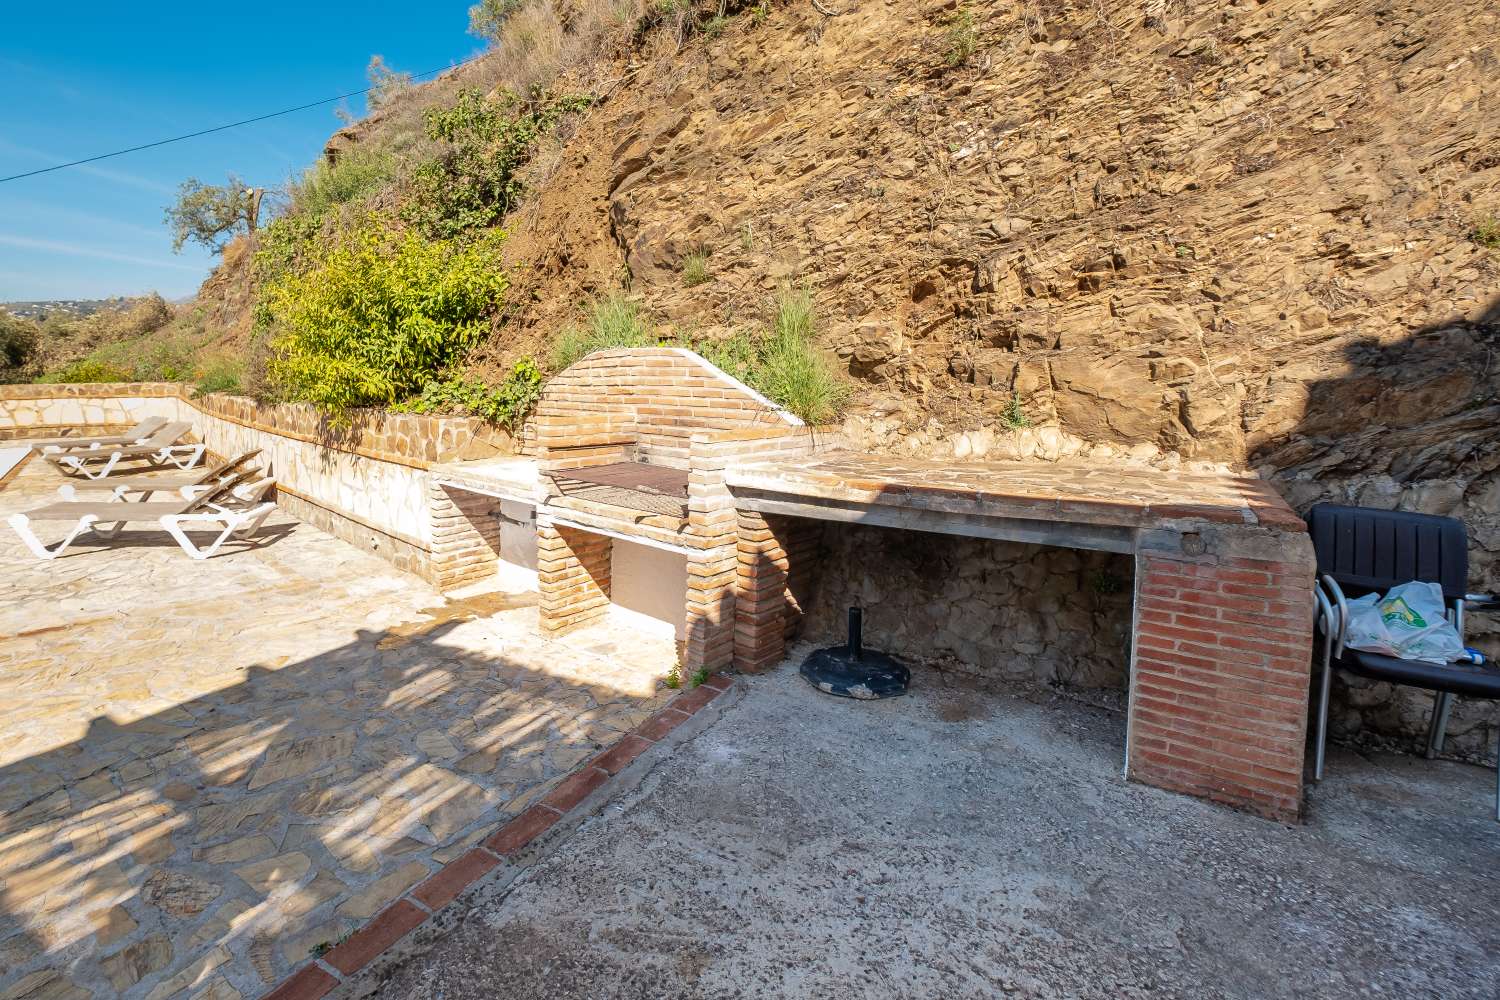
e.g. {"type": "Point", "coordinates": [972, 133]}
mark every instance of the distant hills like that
{"type": "Point", "coordinates": [71, 308]}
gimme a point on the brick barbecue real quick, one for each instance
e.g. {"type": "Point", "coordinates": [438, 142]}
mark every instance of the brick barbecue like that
{"type": "Point", "coordinates": [657, 446]}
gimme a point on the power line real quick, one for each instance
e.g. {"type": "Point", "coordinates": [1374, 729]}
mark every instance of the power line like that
{"type": "Point", "coordinates": [219, 128]}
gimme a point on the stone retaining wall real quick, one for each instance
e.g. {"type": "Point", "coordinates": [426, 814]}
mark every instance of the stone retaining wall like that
{"type": "Point", "coordinates": [990, 608]}
{"type": "Point", "coordinates": [367, 483]}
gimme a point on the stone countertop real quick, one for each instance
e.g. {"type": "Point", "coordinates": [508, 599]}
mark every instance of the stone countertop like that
{"type": "Point", "coordinates": [1092, 493]}
{"type": "Point", "coordinates": [510, 476]}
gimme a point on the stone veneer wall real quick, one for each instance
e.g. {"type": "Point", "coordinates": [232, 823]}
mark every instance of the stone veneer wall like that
{"type": "Point", "coordinates": [367, 484]}
{"type": "Point", "coordinates": [990, 608]}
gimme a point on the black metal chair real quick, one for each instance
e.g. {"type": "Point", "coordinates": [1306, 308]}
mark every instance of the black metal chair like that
{"type": "Point", "coordinates": [1360, 550]}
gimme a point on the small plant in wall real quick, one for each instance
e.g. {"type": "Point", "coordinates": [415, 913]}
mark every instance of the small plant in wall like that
{"type": "Point", "coordinates": [1014, 414]}
{"type": "Point", "coordinates": [674, 676]}
{"type": "Point", "coordinates": [695, 269]}
{"type": "Point", "coordinates": [1486, 232]}
{"type": "Point", "coordinates": [699, 676]}
{"type": "Point", "coordinates": [963, 37]}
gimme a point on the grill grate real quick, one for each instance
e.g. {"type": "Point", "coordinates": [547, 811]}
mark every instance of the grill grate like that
{"type": "Point", "coordinates": [649, 489]}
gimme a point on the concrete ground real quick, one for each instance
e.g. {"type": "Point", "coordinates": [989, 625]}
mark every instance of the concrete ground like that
{"type": "Point", "coordinates": [969, 843]}
{"type": "Point", "coordinates": [211, 770]}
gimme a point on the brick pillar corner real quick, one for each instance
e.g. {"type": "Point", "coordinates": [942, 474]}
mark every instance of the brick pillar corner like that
{"type": "Point", "coordinates": [711, 577]}
{"type": "Point", "coordinates": [573, 577]}
{"type": "Point", "coordinates": [760, 604]}
{"type": "Point", "coordinates": [465, 536]}
{"type": "Point", "coordinates": [1220, 669]}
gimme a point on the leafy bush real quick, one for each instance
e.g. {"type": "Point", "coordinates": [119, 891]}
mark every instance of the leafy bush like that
{"type": "Point", "coordinates": [508, 405]}
{"type": "Point", "coordinates": [358, 173]}
{"type": "Point", "coordinates": [87, 370]}
{"type": "Point", "coordinates": [220, 375]}
{"type": "Point", "coordinates": [472, 182]}
{"type": "Point", "coordinates": [613, 321]}
{"type": "Point", "coordinates": [378, 315]}
{"type": "Point", "coordinates": [18, 338]}
{"type": "Point", "coordinates": [284, 245]}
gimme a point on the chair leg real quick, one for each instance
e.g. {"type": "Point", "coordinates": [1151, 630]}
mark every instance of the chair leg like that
{"type": "Point", "coordinates": [1438, 727]}
{"type": "Point", "coordinates": [100, 473]}
{"type": "Point", "coordinates": [22, 525]}
{"type": "Point", "coordinates": [1325, 689]}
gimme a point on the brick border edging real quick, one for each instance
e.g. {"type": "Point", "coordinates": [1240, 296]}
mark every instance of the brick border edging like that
{"type": "Point", "coordinates": [419, 903]}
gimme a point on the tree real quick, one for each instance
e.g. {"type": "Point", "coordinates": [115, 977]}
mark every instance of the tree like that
{"type": "Point", "coordinates": [213, 214]}
{"type": "Point", "coordinates": [487, 17]}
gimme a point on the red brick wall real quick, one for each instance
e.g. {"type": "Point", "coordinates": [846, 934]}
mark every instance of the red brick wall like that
{"type": "Point", "coordinates": [1220, 679]}
{"type": "Point", "coordinates": [465, 536]}
{"type": "Point", "coordinates": [573, 576]}
{"type": "Point", "coordinates": [777, 568]}
{"type": "Point", "coordinates": [654, 398]}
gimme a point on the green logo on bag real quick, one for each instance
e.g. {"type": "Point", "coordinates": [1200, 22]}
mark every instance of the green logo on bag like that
{"type": "Point", "coordinates": [1398, 612]}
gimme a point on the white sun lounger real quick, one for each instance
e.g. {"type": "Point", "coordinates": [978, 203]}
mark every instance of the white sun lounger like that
{"type": "Point", "coordinates": [140, 432]}
{"type": "Point", "coordinates": [160, 448]}
{"type": "Point", "coordinates": [220, 506]}
{"type": "Point", "coordinates": [123, 486]}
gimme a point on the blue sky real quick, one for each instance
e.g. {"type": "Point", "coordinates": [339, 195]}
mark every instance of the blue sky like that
{"type": "Point", "coordinates": [85, 79]}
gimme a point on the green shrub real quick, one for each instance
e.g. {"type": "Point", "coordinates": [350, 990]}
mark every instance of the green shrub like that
{"type": "Point", "coordinates": [378, 315]}
{"type": "Point", "coordinates": [284, 245]}
{"type": "Point", "coordinates": [87, 370]}
{"type": "Point", "coordinates": [1014, 415]}
{"type": "Point", "coordinates": [358, 173]}
{"type": "Point", "coordinates": [613, 321]}
{"type": "Point", "coordinates": [791, 371]}
{"type": "Point", "coordinates": [784, 365]}
{"type": "Point", "coordinates": [508, 405]}
{"type": "Point", "coordinates": [220, 375]}
{"type": "Point", "coordinates": [695, 270]}
{"type": "Point", "coordinates": [18, 339]}
{"type": "Point", "coordinates": [472, 182]}
{"type": "Point", "coordinates": [1486, 232]}
{"type": "Point", "coordinates": [963, 37]}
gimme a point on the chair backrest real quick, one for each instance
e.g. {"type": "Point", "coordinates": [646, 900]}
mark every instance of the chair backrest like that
{"type": "Point", "coordinates": [219, 491]}
{"type": "Point", "coordinates": [1366, 549]}
{"type": "Point", "coordinates": [166, 434]}
{"type": "Point", "coordinates": [145, 428]}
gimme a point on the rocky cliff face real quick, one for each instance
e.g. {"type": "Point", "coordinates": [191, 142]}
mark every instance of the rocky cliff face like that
{"type": "Point", "coordinates": [1233, 231]}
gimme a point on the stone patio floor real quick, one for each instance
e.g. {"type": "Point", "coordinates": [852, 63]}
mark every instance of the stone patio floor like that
{"type": "Point", "coordinates": [212, 770]}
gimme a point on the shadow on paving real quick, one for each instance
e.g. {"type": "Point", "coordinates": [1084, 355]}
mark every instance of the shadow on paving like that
{"type": "Point", "coordinates": [216, 845]}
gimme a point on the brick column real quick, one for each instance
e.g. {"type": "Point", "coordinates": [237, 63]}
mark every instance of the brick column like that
{"type": "Point", "coordinates": [1220, 669]}
{"type": "Point", "coordinates": [713, 529]}
{"type": "Point", "coordinates": [465, 531]}
{"type": "Point", "coordinates": [573, 570]}
{"type": "Point", "coordinates": [760, 604]}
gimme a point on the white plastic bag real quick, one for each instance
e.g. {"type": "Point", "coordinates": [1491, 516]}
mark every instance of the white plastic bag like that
{"type": "Point", "coordinates": [1408, 622]}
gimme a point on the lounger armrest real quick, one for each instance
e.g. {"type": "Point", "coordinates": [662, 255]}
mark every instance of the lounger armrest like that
{"type": "Point", "coordinates": [1482, 602]}
{"type": "Point", "coordinates": [1340, 608]}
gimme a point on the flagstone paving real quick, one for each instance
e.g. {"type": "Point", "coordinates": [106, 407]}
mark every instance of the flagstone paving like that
{"type": "Point", "coordinates": [211, 770]}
